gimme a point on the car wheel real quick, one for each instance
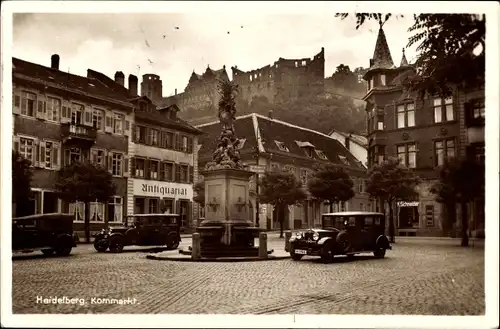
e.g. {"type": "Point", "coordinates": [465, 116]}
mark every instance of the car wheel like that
{"type": "Point", "coordinates": [48, 252]}
{"type": "Point", "coordinates": [343, 242]}
{"type": "Point", "coordinates": [379, 253]}
{"type": "Point", "coordinates": [116, 245]}
{"type": "Point", "coordinates": [327, 253]}
{"type": "Point", "coordinates": [63, 251]}
{"type": "Point", "coordinates": [101, 245]}
{"type": "Point", "coordinates": [172, 242]}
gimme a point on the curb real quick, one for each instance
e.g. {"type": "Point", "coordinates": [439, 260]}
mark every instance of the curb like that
{"type": "Point", "coordinates": [218, 260]}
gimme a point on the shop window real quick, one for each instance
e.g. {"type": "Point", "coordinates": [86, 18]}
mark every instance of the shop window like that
{"type": "Point", "coordinates": [153, 206]}
{"type": "Point", "coordinates": [97, 211]}
{"type": "Point", "coordinates": [139, 205]}
{"type": "Point", "coordinates": [115, 207]}
{"type": "Point", "coordinates": [167, 206]}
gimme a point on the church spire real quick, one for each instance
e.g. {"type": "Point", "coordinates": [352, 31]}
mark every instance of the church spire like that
{"type": "Point", "coordinates": [404, 62]}
{"type": "Point", "coordinates": [382, 55]}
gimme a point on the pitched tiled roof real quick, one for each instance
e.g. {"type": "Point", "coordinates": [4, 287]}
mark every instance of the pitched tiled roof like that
{"type": "Point", "coordinates": [358, 139]}
{"type": "Point", "coordinates": [63, 79]}
{"type": "Point", "coordinates": [156, 117]}
{"type": "Point", "coordinates": [271, 130]}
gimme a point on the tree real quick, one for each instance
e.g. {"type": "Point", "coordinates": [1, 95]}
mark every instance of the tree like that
{"type": "Point", "coordinates": [445, 194]}
{"type": "Point", "coordinates": [461, 181]}
{"type": "Point", "coordinates": [85, 182]}
{"type": "Point", "coordinates": [444, 42]}
{"type": "Point", "coordinates": [390, 182]}
{"type": "Point", "coordinates": [280, 189]}
{"type": "Point", "coordinates": [22, 175]}
{"type": "Point", "coordinates": [332, 184]}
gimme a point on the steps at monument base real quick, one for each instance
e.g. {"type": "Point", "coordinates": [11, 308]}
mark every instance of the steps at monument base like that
{"type": "Point", "coordinates": [229, 252]}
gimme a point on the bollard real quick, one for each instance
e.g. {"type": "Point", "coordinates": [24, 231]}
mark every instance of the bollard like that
{"type": "Point", "coordinates": [263, 245]}
{"type": "Point", "coordinates": [196, 252]}
{"type": "Point", "coordinates": [288, 236]}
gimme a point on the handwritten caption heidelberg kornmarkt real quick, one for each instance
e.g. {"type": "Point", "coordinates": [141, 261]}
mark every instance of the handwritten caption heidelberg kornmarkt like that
{"type": "Point", "coordinates": [65, 300]}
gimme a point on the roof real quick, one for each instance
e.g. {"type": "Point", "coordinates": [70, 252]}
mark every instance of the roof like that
{"type": "Point", "coordinates": [404, 61]}
{"type": "Point", "coordinates": [209, 75]}
{"type": "Point", "coordinates": [156, 117]}
{"type": "Point", "coordinates": [381, 55]}
{"type": "Point", "coordinates": [358, 139]}
{"type": "Point", "coordinates": [353, 213]}
{"type": "Point", "coordinates": [65, 80]}
{"type": "Point", "coordinates": [270, 131]}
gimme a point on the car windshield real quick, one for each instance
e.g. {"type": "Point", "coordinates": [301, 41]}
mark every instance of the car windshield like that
{"type": "Point", "coordinates": [333, 222]}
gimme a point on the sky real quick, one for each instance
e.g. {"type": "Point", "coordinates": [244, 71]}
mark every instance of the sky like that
{"type": "Point", "coordinates": [172, 45]}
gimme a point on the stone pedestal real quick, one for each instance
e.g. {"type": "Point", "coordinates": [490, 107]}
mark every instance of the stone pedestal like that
{"type": "Point", "coordinates": [227, 228]}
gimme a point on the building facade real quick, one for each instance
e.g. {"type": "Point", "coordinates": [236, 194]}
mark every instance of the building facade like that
{"type": "Point", "coordinates": [270, 144]}
{"type": "Point", "coordinates": [424, 132]}
{"type": "Point", "coordinates": [356, 144]}
{"type": "Point", "coordinates": [163, 163]}
{"type": "Point", "coordinates": [60, 118]}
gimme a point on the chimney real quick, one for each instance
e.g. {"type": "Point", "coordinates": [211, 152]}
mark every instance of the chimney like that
{"type": "Point", "coordinates": [270, 115]}
{"type": "Point", "coordinates": [132, 84]}
{"type": "Point", "coordinates": [54, 61]}
{"type": "Point", "coordinates": [175, 91]}
{"type": "Point", "coordinates": [120, 78]}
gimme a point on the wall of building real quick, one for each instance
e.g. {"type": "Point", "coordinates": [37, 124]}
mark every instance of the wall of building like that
{"type": "Point", "coordinates": [360, 152]}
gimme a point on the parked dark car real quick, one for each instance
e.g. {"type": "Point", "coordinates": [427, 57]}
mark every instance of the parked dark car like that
{"type": "Point", "coordinates": [342, 233]}
{"type": "Point", "coordinates": [46, 232]}
{"type": "Point", "coordinates": [144, 230]}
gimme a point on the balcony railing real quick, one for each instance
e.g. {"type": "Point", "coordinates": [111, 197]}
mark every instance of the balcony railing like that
{"type": "Point", "coordinates": [78, 132]}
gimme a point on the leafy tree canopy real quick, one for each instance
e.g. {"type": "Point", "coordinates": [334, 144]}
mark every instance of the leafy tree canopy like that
{"type": "Point", "coordinates": [85, 182]}
{"type": "Point", "coordinates": [22, 175]}
{"type": "Point", "coordinates": [332, 184]}
{"type": "Point", "coordinates": [280, 188]}
{"type": "Point", "coordinates": [444, 42]}
{"type": "Point", "coordinates": [391, 181]}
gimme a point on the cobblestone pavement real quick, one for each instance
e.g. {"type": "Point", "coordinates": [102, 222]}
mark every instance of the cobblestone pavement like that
{"type": "Point", "coordinates": [412, 279]}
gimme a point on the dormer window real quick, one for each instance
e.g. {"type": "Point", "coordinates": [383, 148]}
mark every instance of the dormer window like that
{"type": "Point", "coordinates": [308, 148]}
{"type": "Point", "coordinates": [282, 146]}
{"type": "Point", "coordinates": [321, 155]}
{"type": "Point", "coordinates": [343, 159]}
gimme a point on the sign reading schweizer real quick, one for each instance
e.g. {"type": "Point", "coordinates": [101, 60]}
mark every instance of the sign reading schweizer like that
{"type": "Point", "coordinates": [162, 189]}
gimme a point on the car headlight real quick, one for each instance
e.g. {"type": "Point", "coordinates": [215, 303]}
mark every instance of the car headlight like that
{"type": "Point", "coordinates": [298, 235]}
{"type": "Point", "coordinates": [315, 236]}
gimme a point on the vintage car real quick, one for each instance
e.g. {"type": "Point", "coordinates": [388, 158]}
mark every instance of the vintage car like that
{"type": "Point", "coordinates": [342, 233]}
{"type": "Point", "coordinates": [46, 232]}
{"type": "Point", "coordinates": [144, 230]}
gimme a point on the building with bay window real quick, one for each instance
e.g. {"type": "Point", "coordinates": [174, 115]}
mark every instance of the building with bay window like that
{"type": "Point", "coordinates": [424, 132]}
{"type": "Point", "coordinates": [270, 144]}
{"type": "Point", "coordinates": [60, 118]}
{"type": "Point", "coordinates": [164, 163]}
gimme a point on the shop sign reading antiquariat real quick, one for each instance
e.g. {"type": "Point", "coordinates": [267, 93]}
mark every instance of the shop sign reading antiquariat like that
{"type": "Point", "coordinates": [158, 189]}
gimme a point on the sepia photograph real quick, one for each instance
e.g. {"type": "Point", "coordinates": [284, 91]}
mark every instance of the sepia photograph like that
{"type": "Point", "coordinates": [249, 164]}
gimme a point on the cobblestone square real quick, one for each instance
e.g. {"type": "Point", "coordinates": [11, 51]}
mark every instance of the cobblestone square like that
{"type": "Point", "coordinates": [414, 278]}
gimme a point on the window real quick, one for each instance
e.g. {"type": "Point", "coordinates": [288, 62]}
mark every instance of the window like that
{"type": "Point", "coordinates": [115, 208]}
{"type": "Point", "coordinates": [309, 151]}
{"type": "Point", "coordinates": [282, 146]}
{"type": "Point", "coordinates": [444, 151]}
{"type": "Point", "coordinates": [183, 175]}
{"type": "Point", "coordinates": [343, 159]}
{"type": "Point", "coordinates": [275, 167]}
{"type": "Point", "coordinates": [407, 153]}
{"type": "Point", "coordinates": [184, 144]}
{"type": "Point", "coordinates": [153, 206]}
{"type": "Point", "coordinates": [96, 211]}
{"type": "Point", "coordinates": [116, 164]}
{"type": "Point", "coordinates": [443, 109]}
{"type": "Point", "coordinates": [168, 171]}
{"type": "Point", "coordinates": [169, 139]}
{"type": "Point", "coordinates": [368, 220]}
{"type": "Point", "coordinates": [429, 215]}
{"type": "Point", "coordinates": [303, 177]}
{"type": "Point", "coordinates": [77, 208]}
{"type": "Point", "coordinates": [27, 148]}
{"type": "Point", "coordinates": [475, 112]}
{"type": "Point", "coordinates": [382, 79]}
{"type": "Point", "coordinates": [153, 169]}
{"type": "Point", "coordinates": [76, 114]}
{"type": "Point", "coordinates": [53, 109]}
{"type": "Point", "coordinates": [28, 102]}
{"type": "Point", "coordinates": [74, 155]}
{"type": "Point", "coordinates": [380, 122]}
{"type": "Point", "coordinates": [406, 115]}
{"type": "Point", "coordinates": [50, 154]}
{"type": "Point", "coordinates": [139, 168]}
{"type": "Point", "coordinates": [377, 154]}
{"type": "Point", "coordinates": [118, 123]}
{"type": "Point", "coordinates": [360, 185]}
{"type": "Point", "coordinates": [140, 134]}
{"type": "Point", "coordinates": [321, 155]}
{"type": "Point", "coordinates": [153, 137]}
{"type": "Point", "coordinates": [97, 119]}
{"type": "Point", "coordinates": [97, 157]}
{"type": "Point", "coordinates": [289, 169]}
